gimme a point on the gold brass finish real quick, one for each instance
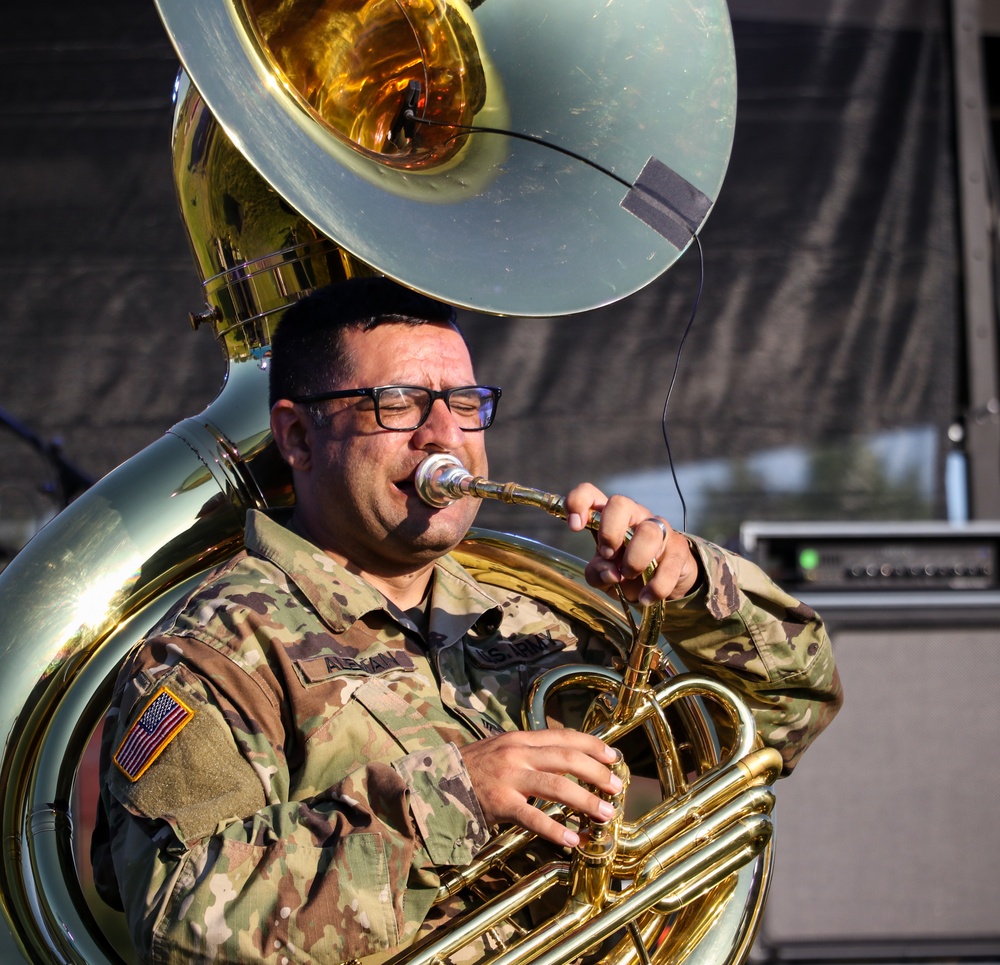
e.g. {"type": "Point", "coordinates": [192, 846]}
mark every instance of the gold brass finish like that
{"type": "Point", "coordinates": [81, 594]}
{"type": "Point", "coordinates": [684, 851]}
{"type": "Point", "coordinates": [296, 167]}
{"type": "Point", "coordinates": [255, 254]}
{"type": "Point", "coordinates": [350, 65]}
{"type": "Point", "coordinates": [355, 111]}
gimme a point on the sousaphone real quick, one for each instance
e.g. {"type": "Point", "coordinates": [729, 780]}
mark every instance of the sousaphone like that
{"type": "Point", "coordinates": [510, 157]}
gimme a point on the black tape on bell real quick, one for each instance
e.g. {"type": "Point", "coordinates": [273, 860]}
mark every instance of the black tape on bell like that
{"type": "Point", "coordinates": [671, 206]}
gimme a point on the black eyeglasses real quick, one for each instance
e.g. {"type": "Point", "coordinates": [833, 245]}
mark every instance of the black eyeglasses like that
{"type": "Point", "coordinates": [403, 408]}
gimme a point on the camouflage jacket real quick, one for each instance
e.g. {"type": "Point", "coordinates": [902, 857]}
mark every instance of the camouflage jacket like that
{"type": "Point", "coordinates": [281, 772]}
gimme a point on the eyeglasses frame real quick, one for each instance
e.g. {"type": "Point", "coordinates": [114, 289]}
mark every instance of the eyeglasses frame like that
{"type": "Point", "coordinates": [374, 392]}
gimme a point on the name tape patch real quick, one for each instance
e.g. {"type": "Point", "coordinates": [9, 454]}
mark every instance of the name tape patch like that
{"type": "Point", "coordinates": [162, 720]}
{"type": "Point", "coordinates": [323, 668]}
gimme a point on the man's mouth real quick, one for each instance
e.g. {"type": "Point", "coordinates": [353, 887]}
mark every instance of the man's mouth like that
{"type": "Point", "coordinates": [408, 487]}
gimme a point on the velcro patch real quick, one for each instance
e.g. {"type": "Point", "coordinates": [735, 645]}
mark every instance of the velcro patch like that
{"type": "Point", "coordinates": [162, 720]}
{"type": "Point", "coordinates": [523, 649]}
{"type": "Point", "coordinates": [376, 665]}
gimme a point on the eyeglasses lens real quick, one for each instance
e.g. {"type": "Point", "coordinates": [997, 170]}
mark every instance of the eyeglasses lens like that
{"type": "Point", "coordinates": [406, 407]}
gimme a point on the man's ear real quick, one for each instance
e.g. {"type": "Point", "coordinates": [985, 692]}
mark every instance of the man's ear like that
{"type": "Point", "coordinates": [291, 427]}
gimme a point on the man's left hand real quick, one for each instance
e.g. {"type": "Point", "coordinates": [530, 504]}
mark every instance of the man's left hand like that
{"type": "Point", "coordinates": [619, 561]}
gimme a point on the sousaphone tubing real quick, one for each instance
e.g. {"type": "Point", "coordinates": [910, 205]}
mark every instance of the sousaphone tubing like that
{"type": "Point", "coordinates": [515, 158]}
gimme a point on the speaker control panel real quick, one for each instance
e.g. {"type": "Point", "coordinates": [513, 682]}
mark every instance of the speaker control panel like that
{"type": "Point", "coordinates": [901, 556]}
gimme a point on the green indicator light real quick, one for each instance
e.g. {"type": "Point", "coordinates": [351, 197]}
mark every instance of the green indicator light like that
{"type": "Point", "coordinates": [809, 559]}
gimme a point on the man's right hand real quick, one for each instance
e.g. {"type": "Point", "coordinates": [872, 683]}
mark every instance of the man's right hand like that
{"type": "Point", "coordinates": [508, 770]}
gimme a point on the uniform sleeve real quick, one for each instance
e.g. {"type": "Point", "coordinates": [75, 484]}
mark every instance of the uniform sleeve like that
{"type": "Point", "coordinates": [214, 866]}
{"type": "Point", "coordinates": [774, 650]}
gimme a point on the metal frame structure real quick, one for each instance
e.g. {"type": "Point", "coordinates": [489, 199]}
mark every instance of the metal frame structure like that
{"type": "Point", "coordinates": [978, 223]}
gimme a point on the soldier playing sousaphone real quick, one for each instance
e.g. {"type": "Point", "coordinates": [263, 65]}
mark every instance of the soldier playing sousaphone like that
{"type": "Point", "coordinates": [301, 748]}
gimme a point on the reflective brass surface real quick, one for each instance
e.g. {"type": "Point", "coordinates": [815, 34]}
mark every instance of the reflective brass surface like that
{"type": "Point", "coordinates": [84, 591]}
{"type": "Point", "coordinates": [485, 221]}
{"type": "Point", "coordinates": [255, 254]}
{"type": "Point", "coordinates": [698, 855]}
{"type": "Point", "coordinates": [293, 171]}
{"type": "Point", "coordinates": [71, 603]}
{"type": "Point", "coordinates": [99, 576]}
{"type": "Point", "coordinates": [349, 65]}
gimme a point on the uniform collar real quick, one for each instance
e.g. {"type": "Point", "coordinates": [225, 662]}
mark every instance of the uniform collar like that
{"type": "Point", "coordinates": [340, 597]}
{"type": "Point", "coordinates": [459, 604]}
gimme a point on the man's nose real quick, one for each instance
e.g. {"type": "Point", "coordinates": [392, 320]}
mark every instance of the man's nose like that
{"type": "Point", "coordinates": [440, 428]}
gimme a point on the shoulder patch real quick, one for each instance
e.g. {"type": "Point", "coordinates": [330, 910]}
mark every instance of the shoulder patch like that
{"type": "Point", "coordinates": [162, 720]}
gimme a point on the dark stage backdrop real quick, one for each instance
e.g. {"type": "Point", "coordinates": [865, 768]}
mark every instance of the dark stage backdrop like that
{"type": "Point", "coordinates": [818, 379]}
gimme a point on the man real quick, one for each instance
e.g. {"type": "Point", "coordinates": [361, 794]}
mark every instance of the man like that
{"type": "Point", "coordinates": [298, 750]}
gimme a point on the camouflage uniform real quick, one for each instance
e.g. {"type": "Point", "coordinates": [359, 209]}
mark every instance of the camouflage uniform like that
{"type": "Point", "coordinates": [282, 777]}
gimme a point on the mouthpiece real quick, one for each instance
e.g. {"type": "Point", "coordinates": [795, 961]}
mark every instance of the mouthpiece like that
{"type": "Point", "coordinates": [439, 480]}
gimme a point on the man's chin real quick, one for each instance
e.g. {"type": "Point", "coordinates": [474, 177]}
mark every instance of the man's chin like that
{"type": "Point", "coordinates": [433, 537]}
{"type": "Point", "coordinates": [436, 543]}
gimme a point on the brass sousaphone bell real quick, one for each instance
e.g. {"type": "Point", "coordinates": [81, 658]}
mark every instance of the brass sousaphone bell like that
{"type": "Point", "coordinates": [511, 157]}
{"type": "Point", "coordinates": [529, 223]}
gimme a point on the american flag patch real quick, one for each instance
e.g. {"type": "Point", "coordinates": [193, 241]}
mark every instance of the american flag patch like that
{"type": "Point", "coordinates": [161, 721]}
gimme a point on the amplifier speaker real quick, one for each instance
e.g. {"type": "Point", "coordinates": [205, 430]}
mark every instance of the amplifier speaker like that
{"type": "Point", "coordinates": [888, 831]}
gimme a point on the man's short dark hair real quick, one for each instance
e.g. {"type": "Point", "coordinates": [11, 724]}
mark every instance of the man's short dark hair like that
{"type": "Point", "coordinates": [306, 353]}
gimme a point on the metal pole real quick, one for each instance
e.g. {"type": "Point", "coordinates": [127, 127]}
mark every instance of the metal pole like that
{"type": "Point", "coordinates": [982, 417]}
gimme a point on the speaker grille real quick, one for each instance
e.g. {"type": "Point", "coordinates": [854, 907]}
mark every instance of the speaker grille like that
{"type": "Point", "coordinates": [888, 831]}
